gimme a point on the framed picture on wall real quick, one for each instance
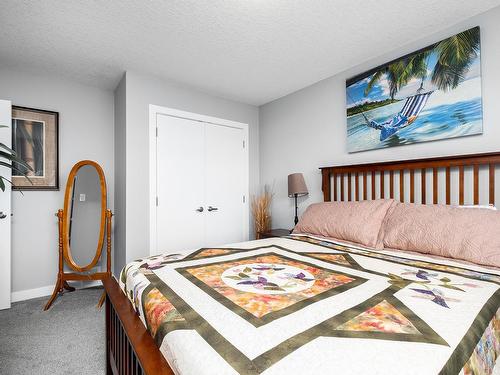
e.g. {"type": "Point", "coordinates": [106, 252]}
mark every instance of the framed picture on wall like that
{"type": "Point", "coordinates": [35, 135]}
{"type": "Point", "coordinates": [431, 94]}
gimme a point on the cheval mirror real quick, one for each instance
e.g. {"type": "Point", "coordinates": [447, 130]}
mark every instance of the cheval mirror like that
{"type": "Point", "coordinates": [84, 223]}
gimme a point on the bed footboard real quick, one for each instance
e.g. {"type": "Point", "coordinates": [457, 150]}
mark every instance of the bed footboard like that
{"type": "Point", "coordinates": [130, 349]}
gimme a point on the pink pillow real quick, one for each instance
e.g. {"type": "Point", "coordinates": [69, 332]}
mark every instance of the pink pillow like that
{"type": "Point", "coordinates": [358, 222]}
{"type": "Point", "coordinates": [471, 235]}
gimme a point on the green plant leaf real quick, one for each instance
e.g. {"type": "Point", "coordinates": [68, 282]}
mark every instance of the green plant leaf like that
{"type": "Point", "coordinates": [247, 269]}
{"type": "Point", "coordinates": [15, 159]}
{"type": "Point", "coordinates": [7, 155]}
{"type": "Point", "coordinates": [14, 169]}
{"type": "Point", "coordinates": [445, 280]}
{"type": "Point", "coordinates": [243, 275]}
{"type": "Point", "coordinates": [10, 166]}
{"type": "Point", "coordinates": [8, 149]}
{"type": "Point", "coordinates": [10, 182]}
{"type": "Point", "coordinates": [16, 162]}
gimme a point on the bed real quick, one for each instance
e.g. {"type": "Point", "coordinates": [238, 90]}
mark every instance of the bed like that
{"type": "Point", "coordinates": [310, 304]}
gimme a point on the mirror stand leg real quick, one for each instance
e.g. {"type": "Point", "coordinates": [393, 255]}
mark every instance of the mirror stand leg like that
{"type": "Point", "coordinates": [68, 287]}
{"type": "Point", "coordinates": [55, 293]}
{"type": "Point", "coordinates": [59, 287]}
{"type": "Point", "coordinates": [101, 300]}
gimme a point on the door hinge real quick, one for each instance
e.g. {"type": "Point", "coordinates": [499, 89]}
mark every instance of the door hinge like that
{"type": "Point", "coordinates": [156, 201]}
{"type": "Point", "coordinates": [243, 199]}
{"type": "Point", "coordinates": [243, 144]}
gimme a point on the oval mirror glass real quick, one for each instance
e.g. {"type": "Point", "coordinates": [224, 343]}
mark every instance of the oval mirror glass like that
{"type": "Point", "coordinates": [84, 213]}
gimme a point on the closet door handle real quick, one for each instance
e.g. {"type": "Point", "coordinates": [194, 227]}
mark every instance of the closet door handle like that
{"type": "Point", "coordinates": [210, 209]}
{"type": "Point", "coordinates": [199, 209]}
{"type": "Point", "coordinates": [2, 215]}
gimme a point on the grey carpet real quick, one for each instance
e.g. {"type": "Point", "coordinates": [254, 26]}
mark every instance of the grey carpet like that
{"type": "Point", "coordinates": [67, 339]}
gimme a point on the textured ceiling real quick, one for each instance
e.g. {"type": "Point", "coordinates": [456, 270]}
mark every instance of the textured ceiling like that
{"type": "Point", "coordinates": [253, 51]}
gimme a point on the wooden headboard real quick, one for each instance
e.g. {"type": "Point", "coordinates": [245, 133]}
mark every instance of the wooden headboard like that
{"type": "Point", "coordinates": [411, 180]}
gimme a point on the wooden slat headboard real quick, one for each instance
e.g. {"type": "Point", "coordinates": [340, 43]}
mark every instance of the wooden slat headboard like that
{"type": "Point", "coordinates": [338, 181]}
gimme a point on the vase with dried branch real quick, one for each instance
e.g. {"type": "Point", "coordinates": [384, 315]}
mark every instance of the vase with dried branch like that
{"type": "Point", "coordinates": [261, 211]}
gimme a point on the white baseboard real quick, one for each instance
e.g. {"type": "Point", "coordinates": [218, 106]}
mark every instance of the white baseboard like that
{"type": "Point", "coordinates": [44, 291]}
{"type": "Point", "coordinates": [31, 293]}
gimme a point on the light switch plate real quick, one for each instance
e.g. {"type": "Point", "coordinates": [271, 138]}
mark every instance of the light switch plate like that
{"type": "Point", "coordinates": [82, 197]}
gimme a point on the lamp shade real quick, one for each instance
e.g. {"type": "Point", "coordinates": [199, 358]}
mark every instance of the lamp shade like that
{"type": "Point", "coordinates": [296, 185]}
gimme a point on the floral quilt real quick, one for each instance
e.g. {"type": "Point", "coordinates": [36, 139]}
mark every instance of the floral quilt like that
{"type": "Point", "coordinates": [305, 305]}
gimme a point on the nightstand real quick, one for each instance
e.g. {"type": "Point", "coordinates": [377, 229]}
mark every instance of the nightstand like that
{"type": "Point", "coordinates": [273, 233]}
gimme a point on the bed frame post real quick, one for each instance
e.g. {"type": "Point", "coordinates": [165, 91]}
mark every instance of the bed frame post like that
{"type": "Point", "coordinates": [108, 337]}
{"type": "Point", "coordinates": [130, 349]}
{"type": "Point", "coordinates": [326, 185]}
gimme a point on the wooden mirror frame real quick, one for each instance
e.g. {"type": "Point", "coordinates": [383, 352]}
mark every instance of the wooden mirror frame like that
{"type": "Point", "coordinates": [70, 185]}
{"type": "Point", "coordinates": [64, 248]}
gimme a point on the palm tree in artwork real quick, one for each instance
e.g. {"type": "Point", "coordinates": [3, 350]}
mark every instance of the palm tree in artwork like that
{"type": "Point", "coordinates": [392, 73]}
{"type": "Point", "coordinates": [454, 58]}
{"type": "Point", "coordinates": [399, 73]}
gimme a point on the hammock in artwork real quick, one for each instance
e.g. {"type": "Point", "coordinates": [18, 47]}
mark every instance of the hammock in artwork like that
{"type": "Point", "coordinates": [408, 114]}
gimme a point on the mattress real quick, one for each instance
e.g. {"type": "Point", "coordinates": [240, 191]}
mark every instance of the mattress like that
{"type": "Point", "coordinates": [306, 305]}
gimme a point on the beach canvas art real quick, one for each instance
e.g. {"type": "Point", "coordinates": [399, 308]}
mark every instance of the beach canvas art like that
{"type": "Point", "coordinates": [431, 94]}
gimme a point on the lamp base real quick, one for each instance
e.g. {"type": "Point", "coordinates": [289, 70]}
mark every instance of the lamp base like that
{"type": "Point", "coordinates": [296, 220]}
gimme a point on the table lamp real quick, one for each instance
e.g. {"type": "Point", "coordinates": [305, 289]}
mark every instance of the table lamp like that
{"type": "Point", "coordinates": [296, 188]}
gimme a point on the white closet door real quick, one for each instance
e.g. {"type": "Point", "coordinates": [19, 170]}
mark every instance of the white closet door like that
{"type": "Point", "coordinates": [5, 210]}
{"type": "Point", "coordinates": [225, 184]}
{"type": "Point", "coordinates": [180, 184]}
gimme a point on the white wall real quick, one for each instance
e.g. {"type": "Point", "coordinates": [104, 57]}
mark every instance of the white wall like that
{"type": "Point", "coordinates": [141, 91]}
{"type": "Point", "coordinates": [119, 218]}
{"type": "Point", "coordinates": [307, 129]}
{"type": "Point", "coordinates": [85, 132]}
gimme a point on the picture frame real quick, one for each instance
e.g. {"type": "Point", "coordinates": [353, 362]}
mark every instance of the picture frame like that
{"type": "Point", "coordinates": [35, 138]}
{"type": "Point", "coordinates": [431, 94]}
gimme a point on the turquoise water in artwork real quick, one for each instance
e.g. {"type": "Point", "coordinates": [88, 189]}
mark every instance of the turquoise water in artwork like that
{"type": "Point", "coordinates": [447, 115]}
